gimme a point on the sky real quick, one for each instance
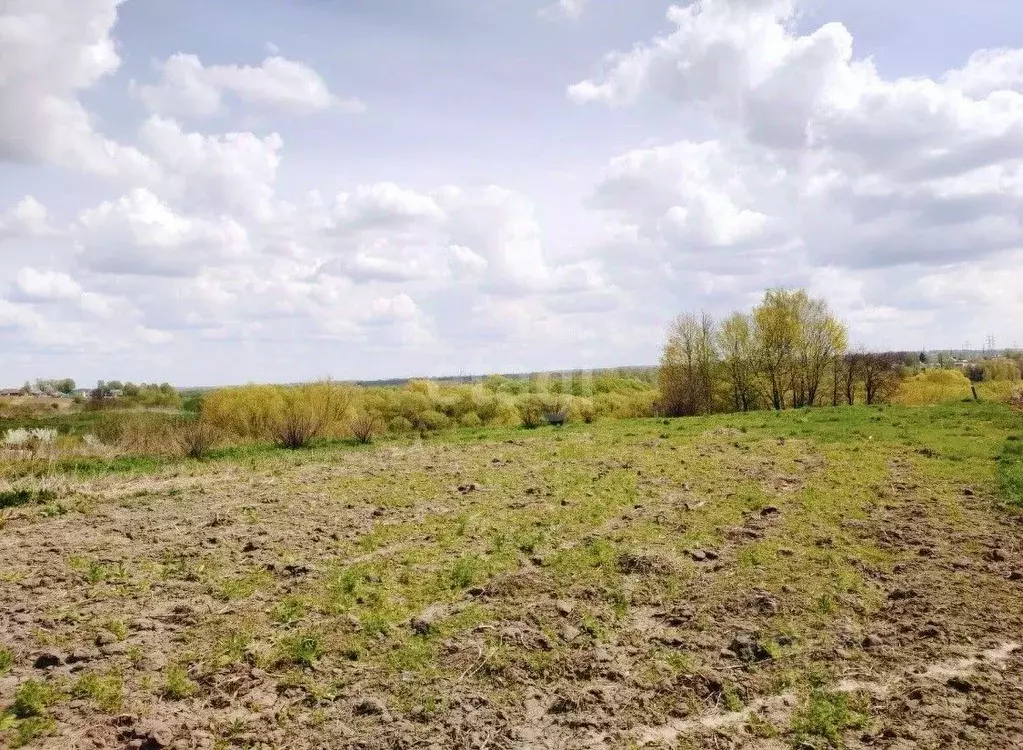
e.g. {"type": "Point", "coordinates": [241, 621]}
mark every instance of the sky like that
{"type": "Point", "coordinates": [280, 190]}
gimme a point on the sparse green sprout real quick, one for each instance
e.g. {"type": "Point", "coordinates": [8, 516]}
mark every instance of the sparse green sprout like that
{"type": "Point", "coordinates": [303, 650]}
{"type": "Point", "coordinates": [106, 691]}
{"type": "Point", "coordinates": [6, 660]}
{"type": "Point", "coordinates": [32, 699]}
{"type": "Point", "coordinates": [176, 683]}
{"type": "Point", "coordinates": [465, 572]}
{"type": "Point", "coordinates": [826, 716]}
{"type": "Point", "coordinates": [290, 611]}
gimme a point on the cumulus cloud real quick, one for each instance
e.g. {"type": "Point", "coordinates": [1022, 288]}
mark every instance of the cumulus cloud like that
{"type": "Point", "coordinates": [51, 51]}
{"type": "Point", "coordinates": [57, 286]}
{"type": "Point", "coordinates": [821, 154]}
{"type": "Point", "coordinates": [28, 218]}
{"type": "Point", "coordinates": [187, 88]}
{"type": "Point", "coordinates": [138, 234]}
{"type": "Point", "coordinates": [570, 9]}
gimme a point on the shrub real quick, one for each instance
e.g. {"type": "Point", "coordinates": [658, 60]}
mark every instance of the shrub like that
{"type": "Point", "coordinates": [470, 419]}
{"type": "Point", "coordinates": [431, 420]}
{"type": "Point", "coordinates": [532, 411]}
{"type": "Point", "coordinates": [932, 387]}
{"type": "Point", "coordinates": [1016, 400]}
{"type": "Point", "coordinates": [289, 417]}
{"type": "Point", "coordinates": [196, 437]}
{"type": "Point", "coordinates": [140, 433]}
{"type": "Point", "coordinates": [400, 425]}
{"type": "Point", "coordinates": [364, 427]}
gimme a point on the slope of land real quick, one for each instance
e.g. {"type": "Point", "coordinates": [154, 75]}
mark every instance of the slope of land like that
{"type": "Point", "coordinates": [810, 579]}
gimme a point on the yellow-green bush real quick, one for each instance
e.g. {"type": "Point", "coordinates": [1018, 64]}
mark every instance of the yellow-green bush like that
{"type": "Point", "coordinates": [998, 369]}
{"type": "Point", "coordinates": [286, 416]}
{"type": "Point", "coordinates": [933, 387]}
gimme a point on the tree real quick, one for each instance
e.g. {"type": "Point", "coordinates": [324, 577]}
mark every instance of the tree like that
{"type": "Point", "coordinates": [737, 347]}
{"type": "Point", "coordinates": [686, 376]}
{"type": "Point", "coordinates": [821, 337]}
{"type": "Point", "coordinates": [776, 322]}
{"type": "Point", "coordinates": [881, 376]}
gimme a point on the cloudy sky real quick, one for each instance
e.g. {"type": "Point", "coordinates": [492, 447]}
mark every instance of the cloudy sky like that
{"type": "Point", "coordinates": [271, 190]}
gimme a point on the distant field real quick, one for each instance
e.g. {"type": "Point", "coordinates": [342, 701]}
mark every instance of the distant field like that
{"type": "Point", "coordinates": [817, 578]}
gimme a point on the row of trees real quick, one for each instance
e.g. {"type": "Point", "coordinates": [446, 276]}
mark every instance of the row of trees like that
{"type": "Point", "coordinates": [790, 351]}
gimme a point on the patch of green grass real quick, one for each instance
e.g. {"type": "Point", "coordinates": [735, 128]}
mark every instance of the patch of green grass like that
{"type": "Point", "coordinates": [33, 698]}
{"type": "Point", "coordinates": [24, 732]}
{"type": "Point", "coordinates": [19, 497]}
{"type": "Point", "coordinates": [117, 627]}
{"type": "Point", "coordinates": [6, 660]}
{"type": "Point", "coordinates": [1010, 474]}
{"type": "Point", "coordinates": [303, 649]}
{"type": "Point", "coordinates": [290, 611]}
{"type": "Point", "coordinates": [465, 572]}
{"type": "Point", "coordinates": [821, 722]}
{"type": "Point", "coordinates": [176, 683]}
{"type": "Point", "coordinates": [105, 691]}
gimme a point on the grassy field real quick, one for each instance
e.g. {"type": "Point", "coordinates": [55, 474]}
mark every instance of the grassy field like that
{"type": "Point", "coordinates": [820, 578]}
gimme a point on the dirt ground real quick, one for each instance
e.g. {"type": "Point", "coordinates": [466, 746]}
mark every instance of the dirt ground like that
{"type": "Point", "coordinates": [741, 582]}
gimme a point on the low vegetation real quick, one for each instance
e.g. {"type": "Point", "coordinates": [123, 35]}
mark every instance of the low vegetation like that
{"type": "Point", "coordinates": [811, 577]}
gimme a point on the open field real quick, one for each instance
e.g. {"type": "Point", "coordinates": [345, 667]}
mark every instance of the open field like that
{"type": "Point", "coordinates": [829, 577]}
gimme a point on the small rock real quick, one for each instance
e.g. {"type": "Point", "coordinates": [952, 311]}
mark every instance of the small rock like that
{"type": "Point", "coordinates": [747, 648]}
{"type": "Point", "coordinates": [766, 604]}
{"type": "Point", "coordinates": [570, 633]}
{"type": "Point", "coordinates": [698, 555]}
{"type": "Point", "coordinates": [961, 684]}
{"type": "Point", "coordinates": [369, 707]}
{"type": "Point", "coordinates": [902, 594]}
{"type": "Point", "coordinates": [425, 621]}
{"type": "Point", "coordinates": [113, 649]}
{"type": "Point", "coordinates": [156, 736]}
{"type": "Point", "coordinates": [48, 659]}
{"type": "Point", "coordinates": [565, 608]}
{"type": "Point", "coordinates": [81, 655]}
{"type": "Point", "coordinates": [105, 638]}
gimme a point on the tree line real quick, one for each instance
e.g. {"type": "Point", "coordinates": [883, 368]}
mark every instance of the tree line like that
{"type": "Point", "coordinates": [790, 351]}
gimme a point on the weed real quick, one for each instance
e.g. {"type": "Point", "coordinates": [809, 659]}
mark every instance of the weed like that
{"type": "Point", "coordinates": [118, 628]}
{"type": "Point", "coordinates": [27, 731]}
{"type": "Point", "coordinates": [290, 611]}
{"type": "Point", "coordinates": [32, 699]}
{"type": "Point", "coordinates": [176, 683]}
{"type": "Point", "coordinates": [105, 691]}
{"type": "Point", "coordinates": [826, 716]}
{"type": "Point", "coordinates": [303, 650]}
{"type": "Point", "coordinates": [6, 660]}
{"type": "Point", "coordinates": [465, 572]}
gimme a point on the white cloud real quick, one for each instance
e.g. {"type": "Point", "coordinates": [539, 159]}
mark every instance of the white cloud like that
{"type": "Point", "coordinates": [50, 51]}
{"type": "Point", "coordinates": [859, 170]}
{"type": "Point", "coordinates": [233, 172]}
{"type": "Point", "coordinates": [570, 9]}
{"type": "Point", "coordinates": [56, 286]}
{"type": "Point", "coordinates": [190, 89]}
{"type": "Point", "coordinates": [28, 218]}
{"type": "Point", "coordinates": [140, 235]}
